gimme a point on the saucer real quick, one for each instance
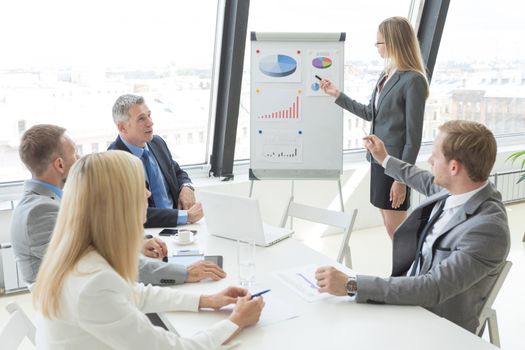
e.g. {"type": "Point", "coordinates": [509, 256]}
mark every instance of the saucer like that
{"type": "Point", "coordinates": [176, 241]}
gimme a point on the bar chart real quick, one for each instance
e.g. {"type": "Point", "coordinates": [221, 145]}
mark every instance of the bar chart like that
{"type": "Point", "coordinates": [276, 153]}
{"type": "Point", "coordinates": [280, 146]}
{"type": "Point", "coordinates": [289, 112]}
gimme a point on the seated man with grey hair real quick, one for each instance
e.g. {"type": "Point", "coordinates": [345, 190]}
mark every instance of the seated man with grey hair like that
{"type": "Point", "coordinates": [48, 152]}
{"type": "Point", "coordinates": [172, 201]}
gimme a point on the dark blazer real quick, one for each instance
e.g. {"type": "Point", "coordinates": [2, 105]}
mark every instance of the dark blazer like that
{"type": "Point", "coordinates": [398, 118]}
{"type": "Point", "coordinates": [459, 271]}
{"type": "Point", "coordinates": [174, 175]}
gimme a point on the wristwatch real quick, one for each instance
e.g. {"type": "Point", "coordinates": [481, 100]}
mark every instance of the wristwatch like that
{"type": "Point", "coordinates": [351, 286]}
{"type": "Point", "coordinates": [189, 185]}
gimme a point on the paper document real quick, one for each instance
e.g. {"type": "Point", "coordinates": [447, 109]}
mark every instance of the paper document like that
{"type": "Point", "coordinates": [274, 310]}
{"type": "Point", "coordinates": [302, 280]}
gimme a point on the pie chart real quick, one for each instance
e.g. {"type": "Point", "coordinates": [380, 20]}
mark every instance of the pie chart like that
{"type": "Point", "coordinates": [277, 66]}
{"type": "Point", "coordinates": [321, 62]}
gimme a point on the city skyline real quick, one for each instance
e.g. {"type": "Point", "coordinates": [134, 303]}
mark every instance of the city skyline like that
{"type": "Point", "coordinates": [66, 64]}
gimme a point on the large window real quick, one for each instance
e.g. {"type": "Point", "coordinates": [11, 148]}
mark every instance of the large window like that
{"type": "Point", "coordinates": [65, 62]}
{"type": "Point", "coordinates": [358, 18]}
{"type": "Point", "coordinates": [480, 68]}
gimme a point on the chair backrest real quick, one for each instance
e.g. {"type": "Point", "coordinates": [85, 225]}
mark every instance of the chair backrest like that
{"type": "Point", "coordinates": [486, 311]}
{"type": "Point", "coordinates": [17, 327]}
{"type": "Point", "coordinates": [343, 220]}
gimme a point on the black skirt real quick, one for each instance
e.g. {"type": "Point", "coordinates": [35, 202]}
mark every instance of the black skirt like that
{"type": "Point", "coordinates": [380, 185]}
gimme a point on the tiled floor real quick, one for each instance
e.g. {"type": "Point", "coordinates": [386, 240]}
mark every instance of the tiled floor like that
{"type": "Point", "coordinates": [371, 254]}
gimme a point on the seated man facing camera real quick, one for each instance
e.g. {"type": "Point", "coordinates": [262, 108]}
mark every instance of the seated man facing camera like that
{"type": "Point", "coordinates": [49, 153]}
{"type": "Point", "coordinates": [172, 201]}
{"type": "Point", "coordinates": [449, 251]}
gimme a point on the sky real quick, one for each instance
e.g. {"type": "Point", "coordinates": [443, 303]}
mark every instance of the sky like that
{"type": "Point", "coordinates": [58, 32]}
{"type": "Point", "coordinates": [157, 32]}
{"type": "Point", "coordinates": [484, 30]}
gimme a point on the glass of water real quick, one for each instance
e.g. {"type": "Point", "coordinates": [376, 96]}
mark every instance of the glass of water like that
{"type": "Point", "coordinates": [246, 262]}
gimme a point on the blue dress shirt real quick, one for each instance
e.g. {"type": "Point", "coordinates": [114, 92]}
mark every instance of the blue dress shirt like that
{"type": "Point", "coordinates": [166, 200]}
{"type": "Point", "coordinates": [53, 188]}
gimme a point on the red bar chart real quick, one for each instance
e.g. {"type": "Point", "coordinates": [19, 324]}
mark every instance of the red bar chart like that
{"type": "Point", "coordinates": [289, 112]}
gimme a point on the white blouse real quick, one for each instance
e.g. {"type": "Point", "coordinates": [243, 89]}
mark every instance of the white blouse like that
{"type": "Point", "coordinates": [100, 310]}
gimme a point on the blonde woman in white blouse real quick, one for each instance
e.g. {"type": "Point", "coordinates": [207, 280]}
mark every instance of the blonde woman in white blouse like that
{"type": "Point", "coordinates": [86, 293]}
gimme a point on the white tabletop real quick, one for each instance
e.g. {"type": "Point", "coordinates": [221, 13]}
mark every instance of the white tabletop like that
{"type": "Point", "coordinates": [331, 323]}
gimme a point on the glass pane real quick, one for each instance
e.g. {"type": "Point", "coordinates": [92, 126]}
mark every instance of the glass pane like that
{"type": "Point", "coordinates": [480, 67]}
{"type": "Point", "coordinates": [65, 62]}
{"type": "Point", "coordinates": [358, 18]}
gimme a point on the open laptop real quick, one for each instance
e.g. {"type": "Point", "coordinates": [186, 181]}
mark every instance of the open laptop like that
{"type": "Point", "coordinates": [239, 218]}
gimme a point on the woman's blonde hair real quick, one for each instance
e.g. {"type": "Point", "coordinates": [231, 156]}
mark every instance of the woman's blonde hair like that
{"type": "Point", "coordinates": [402, 46]}
{"type": "Point", "coordinates": [103, 210]}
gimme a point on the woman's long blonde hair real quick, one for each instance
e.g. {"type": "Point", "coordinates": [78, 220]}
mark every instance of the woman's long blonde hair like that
{"type": "Point", "coordinates": [103, 210]}
{"type": "Point", "coordinates": [402, 46]}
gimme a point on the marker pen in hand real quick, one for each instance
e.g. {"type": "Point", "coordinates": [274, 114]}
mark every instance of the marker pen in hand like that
{"type": "Point", "coordinates": [260, 293]}
{"type": "Point", "coordinates": [318, 77]}
{"type": "Point", "coordinates": [368, 141]}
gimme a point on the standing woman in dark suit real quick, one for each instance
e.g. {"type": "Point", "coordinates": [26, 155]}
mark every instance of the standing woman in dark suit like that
{"type": "Point", "coordinates": [396, 111]}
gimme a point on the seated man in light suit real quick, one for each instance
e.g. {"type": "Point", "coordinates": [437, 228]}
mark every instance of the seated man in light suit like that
{"type": "Point", "coordinates": [172, 201]}
{"type": "Point", "coordinates": [449, 251]}
{"type": "Point", "coordinates": [49, 153]}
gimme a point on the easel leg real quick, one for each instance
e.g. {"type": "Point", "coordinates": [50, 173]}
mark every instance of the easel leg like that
{"type": "Point", "coordinates": [251, 189]}
{"type": "Point", "coordinates": [341, 195]}
{"type": "Point", "coordinates": [285, 215]}
{"type": "Point", "coordinates": [341, 203]}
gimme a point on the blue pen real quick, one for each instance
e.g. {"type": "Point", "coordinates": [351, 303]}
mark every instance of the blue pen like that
{"type": "Point", "coordinates": [260, 293]}
{"type": "Point", "coordinates": [307, 281]}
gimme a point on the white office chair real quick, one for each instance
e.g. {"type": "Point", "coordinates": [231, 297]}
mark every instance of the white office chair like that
{"type": "Point", "coordinates": [343, 220]}
{"type": "Point", "coordinates": [17, 327]}
{"type": "Point", "coordinates": [488, 314]}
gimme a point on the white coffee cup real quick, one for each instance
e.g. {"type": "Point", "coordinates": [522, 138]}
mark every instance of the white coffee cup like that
{"type": "Point", "coordinates": [184, 236]}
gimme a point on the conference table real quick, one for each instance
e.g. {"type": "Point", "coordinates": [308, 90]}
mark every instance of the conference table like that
{"type": "Point", "coordinates": [328, 323]}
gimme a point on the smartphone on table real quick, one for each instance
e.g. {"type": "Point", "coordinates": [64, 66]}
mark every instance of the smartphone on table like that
{"type": "Point", "coordinates": [173, 232]}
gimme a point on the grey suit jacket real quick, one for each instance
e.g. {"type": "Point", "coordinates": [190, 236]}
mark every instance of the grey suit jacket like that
{"type": "Point", "coordinates": [32, 224]}
{"type": "Point", "coordinates": [398, 118]}
{"type": "Point", "coordinates": [456, 276]}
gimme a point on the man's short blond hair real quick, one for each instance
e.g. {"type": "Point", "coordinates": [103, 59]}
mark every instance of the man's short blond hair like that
{"type": "Point", "coordinates": [39, 146]}
{"type": "Point", "coordinates": [472, 144]}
